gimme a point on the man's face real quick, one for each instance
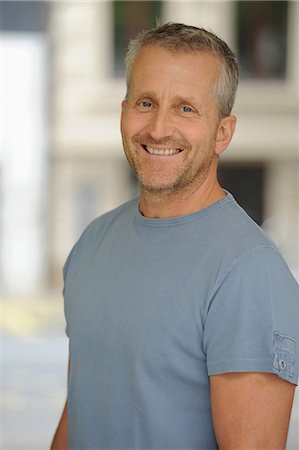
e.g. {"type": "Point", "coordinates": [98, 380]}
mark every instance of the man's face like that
{"type": "Point", "coordinates": [170, 119]}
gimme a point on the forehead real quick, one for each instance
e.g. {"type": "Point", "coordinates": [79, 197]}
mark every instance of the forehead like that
{"type": "Point", "coordinates": [158, 67]}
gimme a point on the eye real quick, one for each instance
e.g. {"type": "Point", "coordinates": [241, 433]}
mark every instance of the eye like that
{"type": "Point", "coordinates": [144, 105]}
{"type": "Point", "coordinates": [186, 109]}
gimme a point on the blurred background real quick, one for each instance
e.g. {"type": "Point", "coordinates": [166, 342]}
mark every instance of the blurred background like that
{"type": "Point", "coordinates": [62, 163]}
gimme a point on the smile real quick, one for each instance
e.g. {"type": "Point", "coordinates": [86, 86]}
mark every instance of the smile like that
{"type": "Point", "coordinates": [163, 152]}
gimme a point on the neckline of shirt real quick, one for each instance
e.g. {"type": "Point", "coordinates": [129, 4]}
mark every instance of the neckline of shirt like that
{"type": "Point", "coordinates": [166, 222]}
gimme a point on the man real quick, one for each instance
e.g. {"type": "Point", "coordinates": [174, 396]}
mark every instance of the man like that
{"type": "Point", "coordinates": [181, 314]}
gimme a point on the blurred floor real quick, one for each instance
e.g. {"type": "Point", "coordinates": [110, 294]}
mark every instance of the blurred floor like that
{"type": "Point", "coordinates": [35, 351]}
{"type": "Point", "coordinates": [34, 366]}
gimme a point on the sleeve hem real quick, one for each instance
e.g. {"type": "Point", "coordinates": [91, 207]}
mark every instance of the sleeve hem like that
{"type": "Point", "coordinates": [249, 365]}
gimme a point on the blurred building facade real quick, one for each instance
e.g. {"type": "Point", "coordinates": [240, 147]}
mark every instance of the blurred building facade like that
{"type": "Point", "coordinates": [87, 173]}
{"type": "Point", "coordinates": [24, 148]}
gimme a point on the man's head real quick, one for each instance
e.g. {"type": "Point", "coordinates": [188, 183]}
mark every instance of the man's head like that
{"type": "Point", "coordinates": [182, 38]}
{"type": "Point", "coordinates": [174, 121]}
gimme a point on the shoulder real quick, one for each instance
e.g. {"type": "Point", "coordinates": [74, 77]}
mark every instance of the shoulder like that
{"type": "Point", "coordinates": [236, 234]}
{"type": "Point", "coordinates": [112, 222]}
{"type": "Point", "coordinates": [121, 214]}
{"type": "Point", "coordinates": [240, 250]}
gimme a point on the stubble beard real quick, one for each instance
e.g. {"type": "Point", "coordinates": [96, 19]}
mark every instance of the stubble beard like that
{"type": "Point", "coordinates": [184, 179]}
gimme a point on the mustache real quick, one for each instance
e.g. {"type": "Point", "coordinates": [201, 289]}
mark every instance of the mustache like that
{"type": "Point", "coordinates": [167, 141]}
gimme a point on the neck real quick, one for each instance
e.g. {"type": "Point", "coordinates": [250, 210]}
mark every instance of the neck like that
{"type": "Point", "coordinates": [175, 204]}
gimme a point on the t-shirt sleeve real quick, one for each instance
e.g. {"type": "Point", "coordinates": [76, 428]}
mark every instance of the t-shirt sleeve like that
{"type": "Point", "coordinates": [252, 323]}
{"type": "Point", "coordinates": [65, 272]}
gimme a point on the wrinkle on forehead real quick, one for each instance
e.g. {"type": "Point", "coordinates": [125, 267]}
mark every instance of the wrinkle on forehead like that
{"type": "Point", "coordinates": [196, 69]}
{"type": "Point", "coordinates": [160, 72]}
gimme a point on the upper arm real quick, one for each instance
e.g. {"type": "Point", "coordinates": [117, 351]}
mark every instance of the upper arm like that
{"type": "Point", "coordinates": [251, 410]}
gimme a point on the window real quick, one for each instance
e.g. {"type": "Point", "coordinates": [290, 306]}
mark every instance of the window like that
{"type": "Point", "coordinates": [131, 17]}
{"type": "Point", "coordinates": [246, 183]}
{"type": "Point", "coordinates": [261, 38]}
{"type": "Point", "coordinates": [23, 16]}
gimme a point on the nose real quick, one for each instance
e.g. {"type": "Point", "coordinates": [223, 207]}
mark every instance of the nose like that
{"type": "Point", "coordinates": [160, 125]}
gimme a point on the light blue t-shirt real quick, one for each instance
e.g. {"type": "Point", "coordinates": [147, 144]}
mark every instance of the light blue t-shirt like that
{"type": "Point", "coordinates": [155, 306]}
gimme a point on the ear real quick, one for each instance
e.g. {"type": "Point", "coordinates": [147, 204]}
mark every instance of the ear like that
{"type": "Point", "coordinates": [225, 133]}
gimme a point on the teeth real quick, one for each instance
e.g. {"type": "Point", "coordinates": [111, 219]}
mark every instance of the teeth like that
{"type": "Point", "coordinates": [167, 151]}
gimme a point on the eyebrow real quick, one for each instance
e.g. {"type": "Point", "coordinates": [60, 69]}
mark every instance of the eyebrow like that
{"type": "Point", "coordinates": [150, 94]}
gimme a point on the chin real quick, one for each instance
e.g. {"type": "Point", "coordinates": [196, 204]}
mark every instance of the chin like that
{"type": "Point", "coordinates": [163, 186]}
{"type": "Point", "coordinates": [158, 184]}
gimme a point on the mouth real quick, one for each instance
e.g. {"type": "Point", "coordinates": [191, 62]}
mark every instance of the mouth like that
{"type": "Point", "coordinates": [161, 151]}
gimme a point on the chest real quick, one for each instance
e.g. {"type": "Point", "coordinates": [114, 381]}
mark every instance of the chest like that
{"type": "Point", "coordinates": [139, 303]}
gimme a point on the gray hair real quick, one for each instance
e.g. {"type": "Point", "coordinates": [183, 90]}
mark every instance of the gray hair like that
{"type": "Point", "coordinates": [179, 37]}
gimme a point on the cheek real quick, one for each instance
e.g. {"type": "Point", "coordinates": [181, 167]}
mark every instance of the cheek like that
{"type": "Point", "coordinates": [194, 136]}
{"type": "Point", "coordinates": [130, 125]}
{"type": "Point", "coordinates": [201, 135]}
